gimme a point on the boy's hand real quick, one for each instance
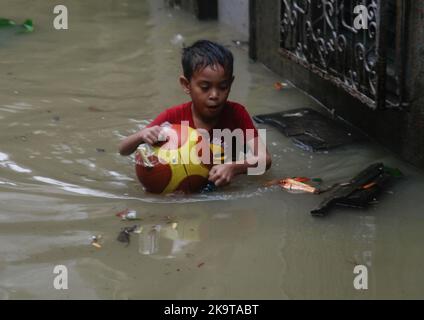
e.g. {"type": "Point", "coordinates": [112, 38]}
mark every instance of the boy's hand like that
{"type": "Point", "coordinates": [151, 135]}
{"type": "Point", "coordinates": [222, 174]}
{"type": "Point", "coordinates": [147, 135]}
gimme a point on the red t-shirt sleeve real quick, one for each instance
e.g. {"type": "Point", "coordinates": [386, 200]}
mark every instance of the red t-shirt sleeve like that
{"type": "Point", "coordinates": [245, 122]}
{"type": "Point", "coordinates": [174, 115]}
{"type": "Point", "coordinates": [161, 118]}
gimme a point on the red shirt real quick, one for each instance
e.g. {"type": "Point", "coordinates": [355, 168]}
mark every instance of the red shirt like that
{"type": "Point", "coordinates": [233, 116]}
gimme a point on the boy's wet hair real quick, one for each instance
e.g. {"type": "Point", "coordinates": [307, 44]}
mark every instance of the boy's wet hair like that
{"type": "Point", "coordinates": [204, 53]}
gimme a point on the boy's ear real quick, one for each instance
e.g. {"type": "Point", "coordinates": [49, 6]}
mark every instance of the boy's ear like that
{"type": "Point", "coordinates": [232, 80]}
{"type": "Point", "coordinates": [185, 84]}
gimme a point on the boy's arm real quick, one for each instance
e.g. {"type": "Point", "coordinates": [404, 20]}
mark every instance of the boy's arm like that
{"type": "Point", "coordinates": [259, 159]}
{"type": "Point", "coordinates": [222, 174]}
{"type": "Point", "coordinates": [147, 135]}
{"type": "Point", "coordinates": [150, 135]}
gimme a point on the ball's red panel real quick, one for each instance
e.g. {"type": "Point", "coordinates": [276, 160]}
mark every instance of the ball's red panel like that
{"type": "Point", "coordinates": [154, 179]}
{"type": "Point", "coordinates": [188, 176]}
{"type": "Point", "coordinates": [177, 138]}
{"type": "Point", "coordinates": [193, 183]}
{"type": "Point", "coordinates": [207, 157]}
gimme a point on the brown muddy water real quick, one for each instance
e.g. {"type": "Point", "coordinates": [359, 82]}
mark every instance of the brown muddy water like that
{"type": "Point", "coordinates": [67, 98]}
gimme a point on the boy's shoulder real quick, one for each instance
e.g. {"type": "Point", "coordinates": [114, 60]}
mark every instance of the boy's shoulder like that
{"type": "Point", "coordinates": [235, 105]}
{"type": "Point", "coordinates": [186, 105]}
{"type": "Point", "coordinates": [233, 112]}
{"type": "Point", "coordinates": [235, 109]}
{"type": "Point", "coordinates": [180, 111]}
{"type": "Point", "coordinates": [179, 107]}
{"type": "Point", "coordinates": [185, 108]}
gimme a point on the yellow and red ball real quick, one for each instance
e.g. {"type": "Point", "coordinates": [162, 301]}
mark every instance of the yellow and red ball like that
{"type": "Point", "coordinates": [177, 164]}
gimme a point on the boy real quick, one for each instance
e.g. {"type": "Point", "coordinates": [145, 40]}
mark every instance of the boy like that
{"type": "Point", "coordinates": [208, 76]}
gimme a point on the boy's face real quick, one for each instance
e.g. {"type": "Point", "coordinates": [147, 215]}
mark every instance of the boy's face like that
{"type": "Point", "coordinates": [209, 89]}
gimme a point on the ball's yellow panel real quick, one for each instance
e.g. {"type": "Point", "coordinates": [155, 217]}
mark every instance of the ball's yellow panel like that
{"type": "Point", "coordinates": [188, 173]}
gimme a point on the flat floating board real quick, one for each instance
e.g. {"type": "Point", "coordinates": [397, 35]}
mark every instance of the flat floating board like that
{"type": "Point", "coordinates": [311, 130]}
{"type": "Point", "coordinates": [358, 192]}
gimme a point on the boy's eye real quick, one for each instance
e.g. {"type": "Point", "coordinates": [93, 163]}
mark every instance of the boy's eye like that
{"type": "Point", "coordinates": [224, 85]}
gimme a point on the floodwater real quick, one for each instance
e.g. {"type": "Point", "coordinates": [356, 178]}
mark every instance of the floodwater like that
{"type": "Point", "coordinates": [67, 98]}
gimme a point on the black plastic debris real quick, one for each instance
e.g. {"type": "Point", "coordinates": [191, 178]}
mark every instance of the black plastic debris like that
{"type": "Point", "coordinates": [311, 130]}
{"type": "Point", "coordinates": [210, 187]}
{"type": "Point", "coordinates": [124, 235]}
{"type": "Point", "coordinates": [358, 192]}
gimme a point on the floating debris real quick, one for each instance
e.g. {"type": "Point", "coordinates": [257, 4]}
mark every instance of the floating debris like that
{"type": "Point", "coordinates": [121, 213]}
{"type": "Point", "coordinates": [280, 85]}
{"type": "Point", "coordinates": [6, 22]}
{"type": "Point", "coordinates": [178, 40]}
{"type": "Point", "coordinates": [95, 241]}
{"type": "Point", "coordinates": [210, 187]}
{"type": "Point", "coordinates": [138, 230]}
{"type": "Point", "coordinates": [27, 26]}
{"type": "Point", "coordinates": [124, 235]}
{"type": "Point", "coordinates": [100, 150]}
{"type": "Point", "coordinates": [272, 183]}
{"type": "Point", "coordinates": [297, 184]}
{"type": "Point", "coordinates": [241, 44]}
{"type": "Point", "coordinates": [131, 215]}
{"type": "Point", "coordinates": [200, 264]}
{"type": "Point", "coordinates": [22, 138]}
{"type": "Point", "coordinates": [359, 192]}
{"type": "Point", "coordinates": [127, 214]}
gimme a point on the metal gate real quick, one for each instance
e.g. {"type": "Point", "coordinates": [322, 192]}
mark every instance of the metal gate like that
{"type": "Point", "coordinates": [368, 63]}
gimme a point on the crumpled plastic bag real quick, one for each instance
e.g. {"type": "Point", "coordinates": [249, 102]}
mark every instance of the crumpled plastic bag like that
{"type": "Point", "coordinates": [147, 151]}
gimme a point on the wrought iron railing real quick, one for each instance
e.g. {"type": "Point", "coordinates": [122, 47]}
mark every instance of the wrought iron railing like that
{"type": "Point", "coordinates": [367, 63]}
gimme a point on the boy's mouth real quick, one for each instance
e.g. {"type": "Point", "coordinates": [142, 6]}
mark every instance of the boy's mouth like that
{"type": "Point", "coordinates": [213, 106]}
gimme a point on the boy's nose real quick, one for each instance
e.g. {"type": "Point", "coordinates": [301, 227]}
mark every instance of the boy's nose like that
{"type": "Point", "coordinates": [214, 94]}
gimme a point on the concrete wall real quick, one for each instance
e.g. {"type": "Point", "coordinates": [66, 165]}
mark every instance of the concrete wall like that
{"type": "Point", "coordinates": [202, 9]}
{"type": "Point", "coordinates": [400, 131]}
{"type": "Point", "coordinates": [413, 148]}
{"type": "Point", "coordinates": [235, 13]}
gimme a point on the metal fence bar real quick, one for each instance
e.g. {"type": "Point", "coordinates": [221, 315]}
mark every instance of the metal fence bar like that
{"type": "Point", "coordinates": [381, 64]}
{"type": "Point", "coordinates": [402, 10]}
{"type": "Point", "coordinates": [320, 36]}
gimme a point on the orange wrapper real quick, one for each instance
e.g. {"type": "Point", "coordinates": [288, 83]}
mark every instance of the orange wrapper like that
{"type": "Point", "coordinates": [294, 185]}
